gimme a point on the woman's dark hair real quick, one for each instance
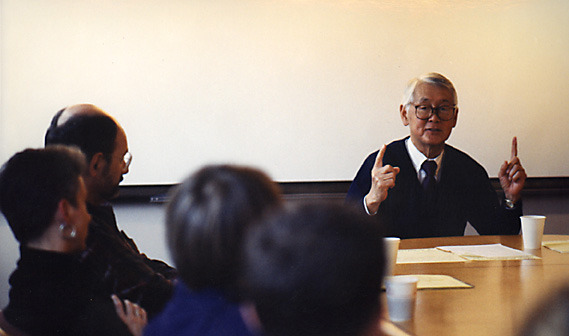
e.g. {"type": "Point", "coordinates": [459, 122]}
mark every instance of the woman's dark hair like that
{"type": "Point", "coordinates": [33, 182]}
{"type": "Point", "coordinates": [92, 134]}
{"type": "Point", "coordinates": [207, 218]}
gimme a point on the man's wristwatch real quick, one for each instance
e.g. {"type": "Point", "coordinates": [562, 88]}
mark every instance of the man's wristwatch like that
{"type": "Point", "coordinates": [509, 203]}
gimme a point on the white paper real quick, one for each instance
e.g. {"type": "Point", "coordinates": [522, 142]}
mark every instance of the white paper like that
{"type": "Point", "coordinates": [438, 281]}
{"type": "Point", "coordinates": [426, 255]}
{"type": "Point", "coordinates": [487, 252]}
{"type": "Point", "coordinates": [561, 246]}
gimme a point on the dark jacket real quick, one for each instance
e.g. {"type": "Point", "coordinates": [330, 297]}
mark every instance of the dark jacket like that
{"type": "Point", "coordinates": [121, 269]}
{"type": "Point", "coordinates": [463, 194]}
{"type": "Point", "coordinates": [54, 294]}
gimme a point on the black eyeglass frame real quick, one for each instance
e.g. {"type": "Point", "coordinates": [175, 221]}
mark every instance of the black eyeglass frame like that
{"type": "Point", "coordinates": [435, 110]}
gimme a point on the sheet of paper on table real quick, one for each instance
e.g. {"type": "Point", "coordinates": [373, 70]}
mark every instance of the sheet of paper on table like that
{"type": "Point", "coordinates": [487, 252]}
{"type": "Point", "coordinates": [439, 281]}
{"type": "Point", "coordinates": [561, 246]}
{"type": "Point", "coordinates": [426, 255]}
{"type": "Point", "coordinates": [390, 329]}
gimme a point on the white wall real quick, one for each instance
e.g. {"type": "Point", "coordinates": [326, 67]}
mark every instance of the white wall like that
{"type": "Point", "coordinates": [9, 254]}
{"type": "Point", "coordinates": [305, 89]}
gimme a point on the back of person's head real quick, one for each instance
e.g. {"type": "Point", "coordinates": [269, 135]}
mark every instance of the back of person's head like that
{"type": "Point", "coordinates": [207, 218]}
{"type": "Point", "coordinates": [315, 269]}
{"type": "Point", "coordinates": [91, 132]}
{"type": "Point", "coordinates": [431, 78]}
{"type": "Point", "coordinates": [33, 182]}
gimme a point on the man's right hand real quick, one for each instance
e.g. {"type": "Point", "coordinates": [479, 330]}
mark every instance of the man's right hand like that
{"type": "Point", "coordinates": [382, 179]}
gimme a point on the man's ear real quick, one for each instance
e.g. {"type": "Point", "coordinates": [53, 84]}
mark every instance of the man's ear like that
{"type": "Point", "coordinates": [455, 118]}
{"type": "Point", "coordinates": [97, 164]}
{"type": "Point", "coordinates": [403, 113]}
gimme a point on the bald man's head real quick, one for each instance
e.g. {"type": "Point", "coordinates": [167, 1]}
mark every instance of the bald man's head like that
{"type": "Point", "coordinates": [85, 126]}
{"type": "Point", "coordinates": [101, 139]}
{"type": "Point", "coordinates": [75, 110]}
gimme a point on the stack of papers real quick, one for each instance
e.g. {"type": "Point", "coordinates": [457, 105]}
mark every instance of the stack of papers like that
{"type": "Point", "coordinates": [390, 329]}
{"type": "Point", "coordinates": [462, 253]}
{"type": "Point", "coordinates": [438, 281]}
{"type": "Point", "coordinates": [459, 253]}
{"type": "Point", "coordinates": [426, 255]}
{"type": "Point", "coordinates": [561, 246]}
{"type": "Point", "coordinates": [487, 252]}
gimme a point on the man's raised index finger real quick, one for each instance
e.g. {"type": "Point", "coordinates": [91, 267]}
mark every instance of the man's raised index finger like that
{"type": "Point", "coordinates": [379, 157]}
{"type": "Point", "coordinates": [514, 147]}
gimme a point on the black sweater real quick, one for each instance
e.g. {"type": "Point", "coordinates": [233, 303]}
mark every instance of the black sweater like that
{"type": "Point", "coordinates": [464, 194]}
{"type": "Point", "coordinates": [52, 294]}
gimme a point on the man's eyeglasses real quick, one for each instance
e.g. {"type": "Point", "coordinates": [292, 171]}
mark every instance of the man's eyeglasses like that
{"type": "Point", "coordinates": [445, 112]}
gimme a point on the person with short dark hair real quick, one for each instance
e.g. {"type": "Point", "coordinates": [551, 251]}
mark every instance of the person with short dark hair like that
{"type": "Point", "coordinates": [52, 291]}
{"type": "Point", "coordinates": [420, 186]}
{"type": "Point", "coordinates": [90, 130]}
{"type": "Point", "coordinates": [316, 270]}
{"type": "Point", "coordinates": [118, 264]}
{"type": "Point", "coordinates": [206, 221]}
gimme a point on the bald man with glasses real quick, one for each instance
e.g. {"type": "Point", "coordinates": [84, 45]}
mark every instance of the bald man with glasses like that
{"type": "Point", "coordinates": [120, 268]}
{"type": "Point", "coordinates": [420, 186]}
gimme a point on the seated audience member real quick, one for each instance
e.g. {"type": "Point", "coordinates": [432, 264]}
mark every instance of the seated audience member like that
{"type": "Point", "coordinates": [206, 221]}
{"type": "Point", "coordinates": [421, 187]}
{"type": "Point", "coordinates": [316, 270]}
{"type": "Point", "coordinates": [52, 291]}
{"type": "Point", "coordinates": [551, 317]}
{"type": "Point", "coordinates": [119, 266]}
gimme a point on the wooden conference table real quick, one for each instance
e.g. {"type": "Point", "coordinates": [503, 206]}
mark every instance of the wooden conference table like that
{"type": "Point", "coordinates": [504, 291]}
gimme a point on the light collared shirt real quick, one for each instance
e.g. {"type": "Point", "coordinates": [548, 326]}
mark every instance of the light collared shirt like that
{"type": "Point", "coordinates": [417, 159]}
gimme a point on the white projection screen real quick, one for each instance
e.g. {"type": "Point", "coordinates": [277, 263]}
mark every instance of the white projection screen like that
{"type": "Point", "coordinates": [303, 89]}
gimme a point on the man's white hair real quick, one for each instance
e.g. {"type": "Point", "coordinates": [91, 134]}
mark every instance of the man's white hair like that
{"type": "Point", "coordinates": [432, 78]}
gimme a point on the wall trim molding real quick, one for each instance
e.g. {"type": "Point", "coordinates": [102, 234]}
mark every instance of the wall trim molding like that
{"type": "Point", "coordinates": [535, 186]}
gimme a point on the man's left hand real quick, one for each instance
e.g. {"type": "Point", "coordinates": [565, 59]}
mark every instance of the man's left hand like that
{"type": "Point", "coordinates": [512, 175]}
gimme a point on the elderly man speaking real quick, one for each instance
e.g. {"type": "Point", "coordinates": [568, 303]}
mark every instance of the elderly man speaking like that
{"type": "Point", "coordinates": [421, 187]}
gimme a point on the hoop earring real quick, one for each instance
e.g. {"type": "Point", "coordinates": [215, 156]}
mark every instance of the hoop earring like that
{"type": "Point", "coordinates": [64, 226]}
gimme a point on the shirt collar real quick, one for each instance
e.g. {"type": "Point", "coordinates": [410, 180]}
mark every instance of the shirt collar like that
{"type": "Point", "coordinates": [417, 158]}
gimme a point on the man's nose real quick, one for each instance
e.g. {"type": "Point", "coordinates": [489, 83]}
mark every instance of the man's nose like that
{"type": "Point", "coordinates": [434, 117]}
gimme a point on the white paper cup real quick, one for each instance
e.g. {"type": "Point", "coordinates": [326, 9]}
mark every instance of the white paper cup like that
{"type": "Point", "coordinates": [532, 231]}
{"type": "Point", "coordinates": [391, 248]}
{"type": "Point", "coordinates": [401, 292]}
